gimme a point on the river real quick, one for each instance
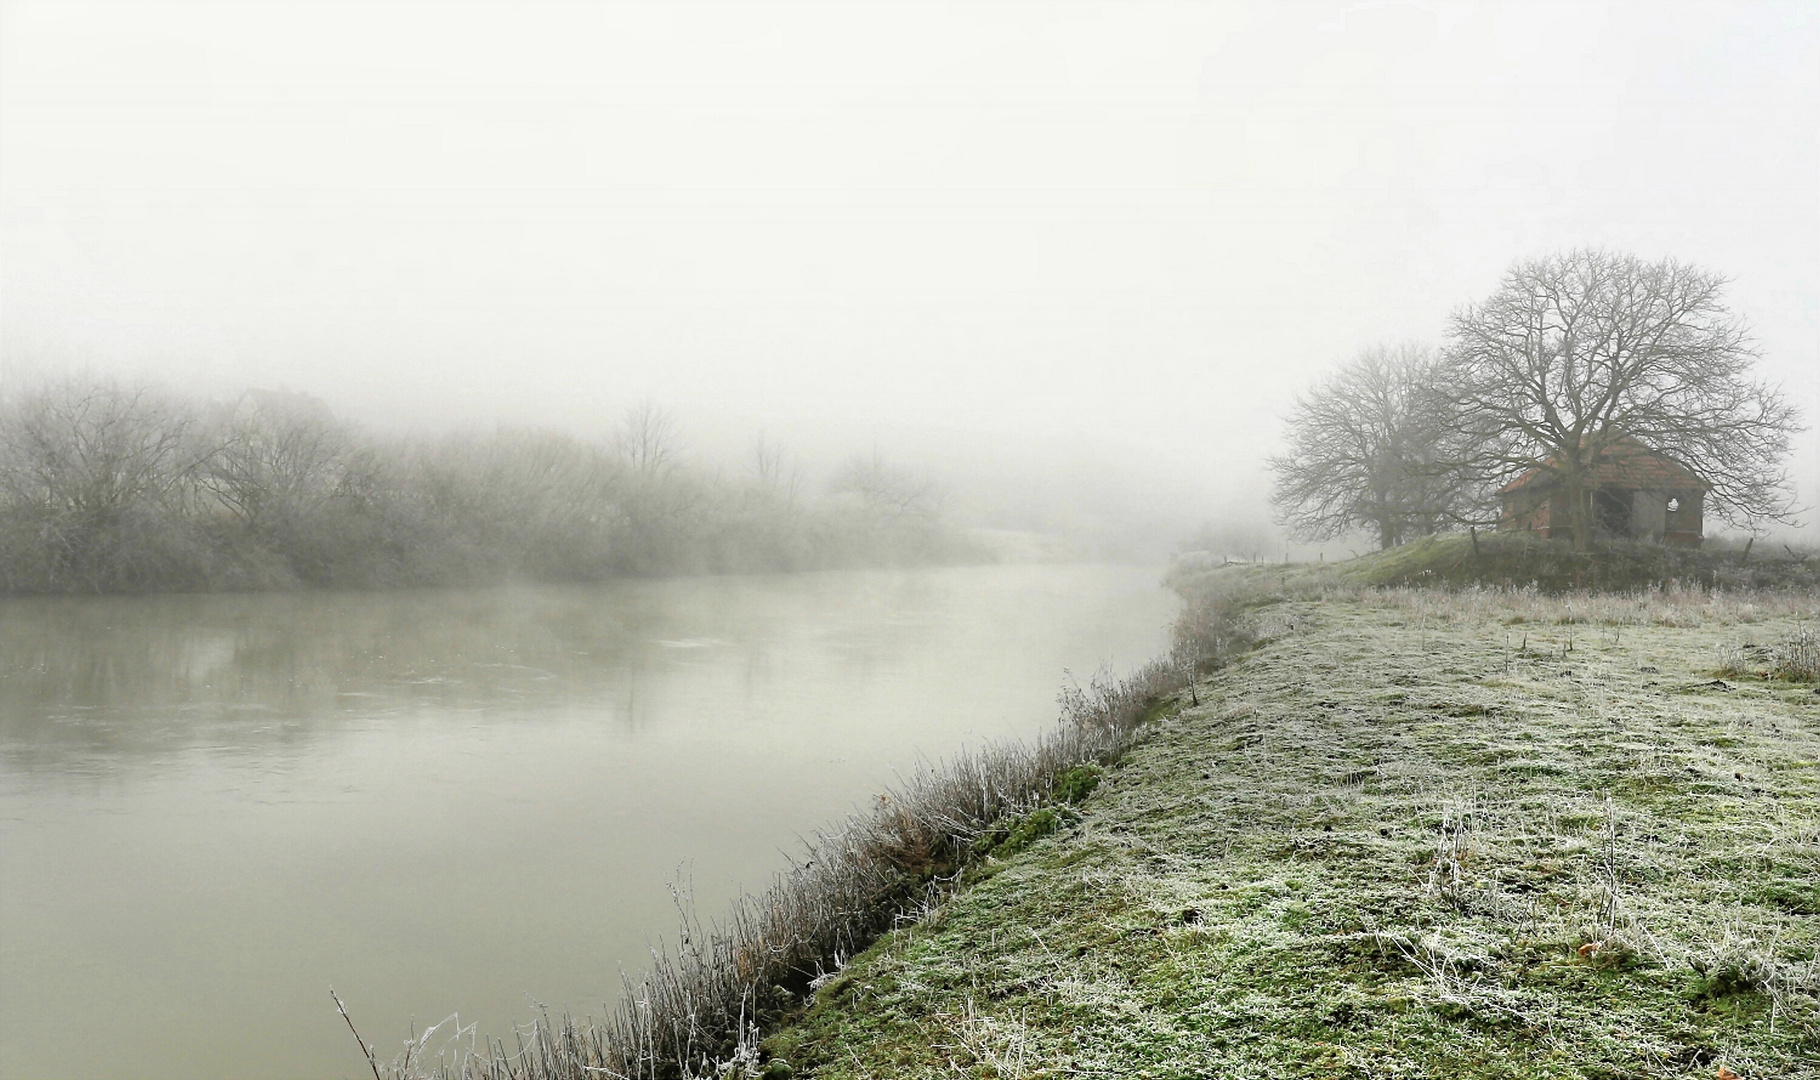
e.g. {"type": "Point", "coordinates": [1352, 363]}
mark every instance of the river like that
{"type": "Point", "coordinates": [213, 808]}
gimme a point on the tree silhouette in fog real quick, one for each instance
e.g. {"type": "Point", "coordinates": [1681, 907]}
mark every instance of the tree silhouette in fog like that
{"type": "Point", "coordinates": [1371, 448]}
{"type": "Point", "coordinates": [1577, 358]}
{"type": "Point", "coordinates": [1579, 354]}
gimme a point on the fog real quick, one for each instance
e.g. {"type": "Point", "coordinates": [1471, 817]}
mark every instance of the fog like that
{"type": "Point", "coordinates": [1075, 259]}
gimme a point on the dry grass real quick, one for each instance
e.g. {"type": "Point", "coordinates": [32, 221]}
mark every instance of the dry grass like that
{"type": "Point", "coordinates": [1678, 604]}
{"type": "Point", "coordinates": [1797, 658]}
{"type": "Point", "coordinates": [700, 1008]}
{"type": "Point", "coordinates": [1793, 658]}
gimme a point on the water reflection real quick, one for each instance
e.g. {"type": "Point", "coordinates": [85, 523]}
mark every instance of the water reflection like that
{"type": "Point", "coordinates": [121, 679]}
{"type": "Point", "coordinates": [212, 808]}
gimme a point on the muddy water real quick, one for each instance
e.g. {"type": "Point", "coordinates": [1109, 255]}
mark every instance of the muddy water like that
{"type": "Point", "coordinates": [212, 809]}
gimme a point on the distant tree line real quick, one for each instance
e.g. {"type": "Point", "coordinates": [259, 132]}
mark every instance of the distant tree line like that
{"type": "Point", "coordinates": [107, 487]}
{"type": "Point", "coordinates": [1572, 356]}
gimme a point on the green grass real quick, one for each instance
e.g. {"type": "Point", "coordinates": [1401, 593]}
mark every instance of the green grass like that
{"type": "Point", "coordinates": [1413, 834]}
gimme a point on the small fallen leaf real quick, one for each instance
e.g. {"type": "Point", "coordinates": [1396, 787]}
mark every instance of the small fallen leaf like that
{"type": "Point", "coordinates": [1590, 948]}
{"type": "Point", "coordinates": [1727, 1074]}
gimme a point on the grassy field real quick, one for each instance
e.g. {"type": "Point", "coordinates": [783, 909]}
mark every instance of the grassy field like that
{"type": "Point", "coordinates": [1481, 833]}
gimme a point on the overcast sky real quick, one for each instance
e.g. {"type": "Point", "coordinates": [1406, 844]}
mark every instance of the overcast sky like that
{"type": "Point", "coordinates": [1116, 233]}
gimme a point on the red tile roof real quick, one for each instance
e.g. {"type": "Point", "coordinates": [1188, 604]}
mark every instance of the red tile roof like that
{"type": "Point", "coordinates": [1625, 464]}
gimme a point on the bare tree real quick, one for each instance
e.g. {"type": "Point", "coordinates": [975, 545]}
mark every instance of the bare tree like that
{"type": "Point", "coordinates": [885, 488]}
{"type": "Point", "coordinates": [532, 499]}
{"type": "Point", "coordinates": [648, 441]}
{"type": "Point", "coordinates": [777, 475]}
{"type": "Point", "coordinates": [1577, 352]}
{"type": "Point", "coordinates": [275, 462]}
{"type": "Point", "coordinates": [1369, 448]}
{"type": "Point", "coordinates": [100, 475]}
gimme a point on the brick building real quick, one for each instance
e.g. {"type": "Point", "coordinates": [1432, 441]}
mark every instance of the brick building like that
{"type": "Point", "coordinates": [1636, 495]}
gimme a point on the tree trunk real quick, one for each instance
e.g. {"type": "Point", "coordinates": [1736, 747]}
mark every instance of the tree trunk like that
{"type": "Point", "coordinates": [1580, 497]}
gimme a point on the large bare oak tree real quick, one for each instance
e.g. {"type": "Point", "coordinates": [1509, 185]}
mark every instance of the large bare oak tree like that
{"type": "Point", "coordinates": [1578, 351]}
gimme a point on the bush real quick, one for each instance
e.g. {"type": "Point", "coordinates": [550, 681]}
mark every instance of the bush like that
{"type": "Point", "coordinates": [106, 488]}
{"type": "Point", "coordinates": [1798, 658]}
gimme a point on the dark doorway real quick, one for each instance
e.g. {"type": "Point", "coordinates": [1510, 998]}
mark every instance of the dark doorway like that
{"type": "Point", "coordinates": [1611, 511]}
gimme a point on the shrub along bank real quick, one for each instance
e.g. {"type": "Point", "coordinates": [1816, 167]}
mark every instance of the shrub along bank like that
{"type": "Point", "coordinates": [700, 1011]}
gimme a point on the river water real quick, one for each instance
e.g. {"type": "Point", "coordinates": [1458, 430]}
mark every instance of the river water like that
{"type": "Point", "coordinates": [214, 808]}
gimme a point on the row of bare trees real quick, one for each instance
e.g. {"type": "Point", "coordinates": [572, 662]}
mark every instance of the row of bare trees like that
{"type": "Point", "coordinates": [110, 488]}
{"type": "Point", "coordinates": [1574, 356]}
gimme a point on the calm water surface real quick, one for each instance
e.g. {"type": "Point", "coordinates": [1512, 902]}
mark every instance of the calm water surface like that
{"type": "Point", "coordinates": [214, 808]}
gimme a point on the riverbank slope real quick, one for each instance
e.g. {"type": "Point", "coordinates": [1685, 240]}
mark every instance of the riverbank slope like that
{"type": "Point", "coordinates": [1412, 833]}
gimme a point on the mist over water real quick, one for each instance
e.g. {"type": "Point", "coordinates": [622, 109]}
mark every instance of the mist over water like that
{"type": "Point", "coordinates": [438, 298]}
{"type": "Point", "coordinates": [214, 808]}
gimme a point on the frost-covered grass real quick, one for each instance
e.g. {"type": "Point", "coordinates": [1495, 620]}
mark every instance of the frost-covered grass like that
{"type": "Point", "coordinates": [1485, 833]}
{"type": "Point", "coordinates": [1675, 605]}
{"type": "Point", "coordinates": [1519, 560]}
